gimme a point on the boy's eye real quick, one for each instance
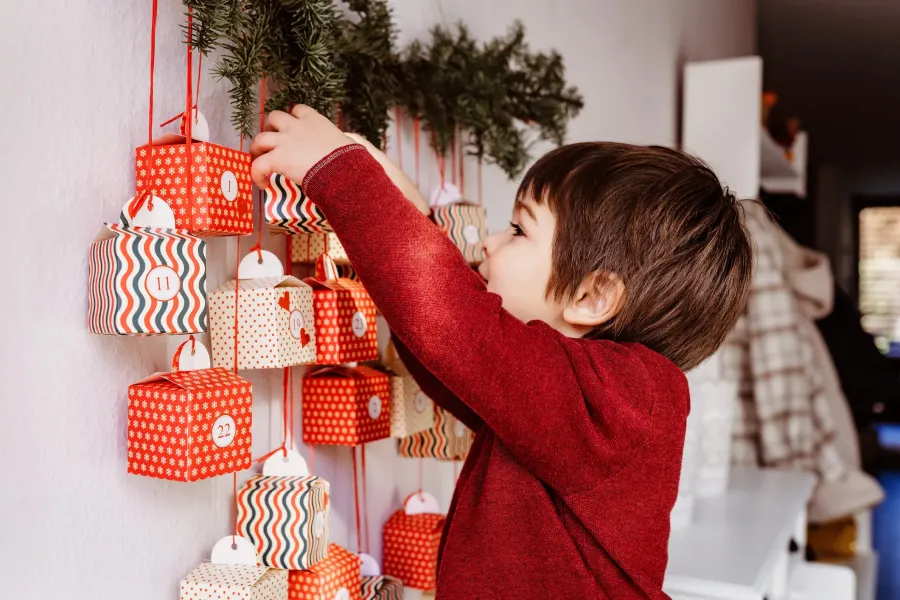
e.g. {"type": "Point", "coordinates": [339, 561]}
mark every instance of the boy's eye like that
{"type": "Point", "coordinates": [517, 230]}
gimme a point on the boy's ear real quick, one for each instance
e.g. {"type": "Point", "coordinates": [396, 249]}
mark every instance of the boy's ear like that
{"type": "Point", "coordinates": [598, 299]}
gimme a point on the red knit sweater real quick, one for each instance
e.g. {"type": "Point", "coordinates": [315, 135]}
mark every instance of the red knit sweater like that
{"type": "Point", "coordinates": [574, 470]}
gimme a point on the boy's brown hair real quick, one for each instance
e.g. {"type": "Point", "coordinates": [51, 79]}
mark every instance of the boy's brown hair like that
{"type": "Point", "coordinates": [661, 221]}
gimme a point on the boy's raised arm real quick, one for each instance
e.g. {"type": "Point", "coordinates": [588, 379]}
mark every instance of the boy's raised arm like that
{"type": "Point", "coordinates": [519, 379]}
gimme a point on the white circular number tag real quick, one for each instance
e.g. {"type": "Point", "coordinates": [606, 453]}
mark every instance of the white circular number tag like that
{"type": "Point", "coordinates": [223, 431]}
{"type": "Point", "coordinates": [358, 323]}
{"type": "Point", "coordinates": [229, 185]}
{"type": "Point", "coordinates": [470, 232]}
{"type": "Point", "coordinates": [342, 594]}
{"type": "Point", "coordinates": [319, 525]}
{"type": "Point", "coordinates": [297, 323]}
{"type": "Point", "coordinates": [374, 407]}
{"type": "Point", "coordinates": [163, 283]}
{"type": "Point", "coordinates": [420, 402]}
{"type": "Point", "coordinates": [459, 429]}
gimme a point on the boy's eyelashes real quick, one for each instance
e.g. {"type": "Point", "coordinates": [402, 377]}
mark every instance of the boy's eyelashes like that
{"type": "Point", "coordinates": [517, 229]}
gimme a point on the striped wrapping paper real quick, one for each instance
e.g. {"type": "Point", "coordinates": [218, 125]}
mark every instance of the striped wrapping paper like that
{"type": "Point", "coordinates": [466, 224]}
{"type": "Point", "coordinates": [286, 518]}
{"type": "Point", "coordinates": [448, 439]}
{"type": "Point", "coordinates": [146, 281]}
{"type": "Point", "coordinates": [381, 587]}
{"type": "Point", "coordinates": [288, 210]}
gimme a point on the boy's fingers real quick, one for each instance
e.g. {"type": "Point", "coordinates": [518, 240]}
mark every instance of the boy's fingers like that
{"type": "Point", "coordinates": [278, 121]}
{"type": "Point", "coordinates": [260, 171]}
{"type": "Point", "coordinates": [301, 110]}
{"type": "Point", "coordinates": [263, 142]}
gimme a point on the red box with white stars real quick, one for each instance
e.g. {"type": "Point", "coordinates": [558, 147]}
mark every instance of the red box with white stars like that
{"type": "Point", "coordinates": [189, 425]}
{"type": "Point", "coordinates": [211, 193]}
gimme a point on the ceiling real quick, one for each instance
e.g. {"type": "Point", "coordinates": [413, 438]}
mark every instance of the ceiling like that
{"type": "Point", "coordinates": [837, 63]}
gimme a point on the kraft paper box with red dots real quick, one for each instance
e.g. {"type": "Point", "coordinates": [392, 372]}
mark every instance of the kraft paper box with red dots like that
{"type": "Point", "coordinates": [189, 425]}
{"type": "Point", "coordinates": [275, 323]}
{"type": "Point", "coordinates": [208, 188]}
{"type": "Point", "coordinates": [346, 406]}
{"type": "Point", "coordinates": [412, 411]}
{"type": "Point", "coordinates": [345, 317]}
{"type": "Point", "coordinates": [337, 577]}
{"type": "Point", "coordinates": [306, 248]}
{"type": "Point", "coordinates": [411, 545]}
{"type": "Point", "coordinates": [286, 518]}
{"type": "Point", "coordinates": [211, 581]}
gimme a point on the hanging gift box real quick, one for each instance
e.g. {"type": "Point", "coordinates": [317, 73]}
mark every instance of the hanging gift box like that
{"type": "Point", "coordinates": [147, 279]}
{"type": "Point", "coordinates": [308, 247]}
{"type": "Point", "coordinates": [234, 575]}
{"type": "Point", "coordinates": [284, 513]}
{"type": "Point", "coordinates": [344, 316]}
{"type": "Point", "coordinates": [346, 406]}
{"type": "Point", "coordinates": [464, 222]}
{"type": "Point", "coordinates": [288, 210]}
{"type": "Point", "coordinates": [412, 537]}
{"type": "Point", "coordinates": [447, 439]}
{"type": "Point", "coordinates": [334, 578]}
{"type": "Point", "coordinates": [207, 186]}
{"type": "Point", "coordinates": [375, 585]}
{"type": "Point", "coordinates": [274, 319]}
{"type": "Point", "coordinates": [191, 423]}
{"type": "Point", "coordinates": [412, 410]}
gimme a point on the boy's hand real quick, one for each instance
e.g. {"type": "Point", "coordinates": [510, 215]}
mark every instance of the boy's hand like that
{"type": "Point", "coordinates": [293, 143]}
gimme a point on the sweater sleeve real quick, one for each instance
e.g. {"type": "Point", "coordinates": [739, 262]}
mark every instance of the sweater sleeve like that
{"type": "Point", "coordinates": [522, 380]}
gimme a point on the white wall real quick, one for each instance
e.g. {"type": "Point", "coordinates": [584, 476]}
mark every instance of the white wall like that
{"type": "Point", "coordinates": [73, 523]}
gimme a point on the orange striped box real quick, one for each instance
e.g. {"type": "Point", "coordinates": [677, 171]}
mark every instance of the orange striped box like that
{"type": "Point", "coordinates": [345, 406]}
{"type": "Point", "coordinates": [411, 545]}
{"type": "Point", "coordinates": [286, 518]}
{"type": "Point", "coordinates": [466, 224]}
{"type": "Point", "coordinates": [337, 577]}
{"type": "Point", "coordinates": [288, 210]}
{"type": "Point", "coordinates": [210, 192]}
{"type": "Point", "coordinates": [447, 439]}
{"type": "Point", "coordinates": [146, 281]}
{"type": "Point", "coordinates": [189, 425]}
{"type": "Point", "coordinates": [345, 317]}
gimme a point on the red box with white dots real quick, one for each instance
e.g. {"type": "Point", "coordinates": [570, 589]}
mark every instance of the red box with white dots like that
{"type": "Point", "coordinates": [207, 186]}
{"type": "Point", "coordinates": [345, 406]}
{"type": "Point", "coordinates": [189, 425]}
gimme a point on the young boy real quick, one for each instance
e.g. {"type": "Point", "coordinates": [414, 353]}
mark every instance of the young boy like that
{"type": "Point", "coordinates": [622, 267]}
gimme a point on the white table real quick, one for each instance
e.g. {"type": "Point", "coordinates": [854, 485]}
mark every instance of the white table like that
{"type": "Point", "coordinates": [736, 548]}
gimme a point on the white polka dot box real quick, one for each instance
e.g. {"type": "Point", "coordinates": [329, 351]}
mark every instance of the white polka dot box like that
{"type": "Point", "coordinates": [211, 581]}
{"type": "Point", "coordinates": [189, 425]}
{"type": "Point", "coordinates": [381, 587]}
{"type": "Point", "coordinates": [466, 224]}
{"type": "Point", "coordinates": [274, 320]}
{"type": "Point", "coordinates": [447, 439]}
{"type": "Point", "coordinates": [207, 186]}
{"type": "Point", "coordinates": [346, 406]}
{"type": "Point", "coordinates": [337, 577]}
{"type": "Point", "coordinates": [345, 317]}
{"type": "Point", "coordinates": [411, 543]}
{"type": "Point", "coordinates": [286, 518]}
{"type": "Point", "coordinates": [146, 281]}
{"type": "Point", "coordinates": [306, 248]}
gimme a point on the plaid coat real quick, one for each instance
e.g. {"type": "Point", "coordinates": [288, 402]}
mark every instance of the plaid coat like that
{"type": "Point", "coordinates": [783, 417]}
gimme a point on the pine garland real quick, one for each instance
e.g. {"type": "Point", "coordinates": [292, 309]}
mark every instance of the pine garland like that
{"type": "Point", "coordinates": [494, 98]}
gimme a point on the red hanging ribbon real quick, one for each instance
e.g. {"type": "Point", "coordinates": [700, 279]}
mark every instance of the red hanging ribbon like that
{"type": "Point", "coordinates": [356, 503]}
{"type": "Point", "coordinates": [237, 300]}
{"type": "Point", "coordinates": [398, 127]}
{"type": "Point", "coordinates": [285, 382]}
{"type": "Point", "coordinates": [365, 499]}
{"type": "Point", "coordinates": [462, 169]}
{"type": "Point", "coordinates": [480, 199]}
{"type": "Point", "coordinates": [145, 194]}
{"type": "Point", "coordinates": [453, 160]}
{"type": "Point", "coordinates": [416, 148]}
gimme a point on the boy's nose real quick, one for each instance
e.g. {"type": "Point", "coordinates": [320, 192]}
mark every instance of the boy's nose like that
{"type": "Point", "coordinates": [490, 242]}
